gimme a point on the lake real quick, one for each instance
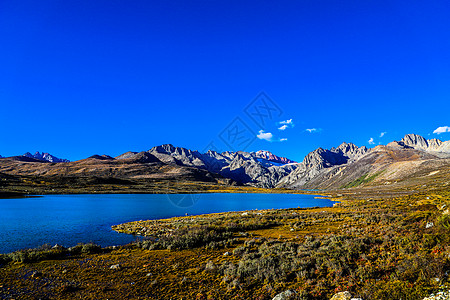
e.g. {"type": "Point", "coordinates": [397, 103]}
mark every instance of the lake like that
{"type": "Point", "coordinates": [71, 219]}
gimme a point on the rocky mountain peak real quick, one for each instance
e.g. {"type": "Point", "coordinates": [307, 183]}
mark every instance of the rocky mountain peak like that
{"type": "Point", "coordinates": [434, 144]}
{"type": "Point", "coordinates": [267, 155]}
{"type": "Point", "coordinates": [165, 148]}
{"type": "Point", "coordinates": [45, 157]}
{"type": "Point", "coordinates": [415, 141]}
{"type": "Point", "coordinates": [126, 155]}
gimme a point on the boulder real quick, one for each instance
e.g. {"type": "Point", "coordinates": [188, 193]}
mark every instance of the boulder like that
{"type": "Point", "coordinates": [284, 295]}
{"type": "Point", "coordinates": [342, 296]}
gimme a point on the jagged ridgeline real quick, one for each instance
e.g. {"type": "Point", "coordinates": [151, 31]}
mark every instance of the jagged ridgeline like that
{"type": "Point", "coordinates": [346, 166]}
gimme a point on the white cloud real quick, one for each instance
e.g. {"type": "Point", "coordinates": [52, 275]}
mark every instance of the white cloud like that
{"type": "Point", "coordinates": [442, 129]}
{"type": "Point", "coordinates": [382, 134]}
{"type": "Point", "coordinates": [283, 127]}
{"type": "Point", "coordinates": [311, 130]}
{"type": "Point", "coordinates": [265, 136]}
{"type": "Point", "coordinates": [371, 142]}
{"type": "Point", "coordinates": [283, 139]}
{"type": "Point", "coordinates": [287, 122]}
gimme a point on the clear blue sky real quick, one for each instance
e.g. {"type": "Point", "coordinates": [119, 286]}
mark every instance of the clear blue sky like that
{"type": "Point", "coordinates": [104, 77]}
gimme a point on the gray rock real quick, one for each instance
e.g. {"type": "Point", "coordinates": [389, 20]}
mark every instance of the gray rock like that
{"type": "Point", "coordinates": [45, 157]}
{"type": "Point", "coordinates": [320, 159]}
{"type": "Point", "coordinates": [439, 296]}
{"type": "Point", "coordinates": [284, 295]}
{"type": "Point", "coordinates": [115, 267]}
{"type": "Point", "coordinates": [418, 142]}
{"type": "Point", "coordinates": [261, 169]}
{"type": "Point", "coordinates": [342, 296]}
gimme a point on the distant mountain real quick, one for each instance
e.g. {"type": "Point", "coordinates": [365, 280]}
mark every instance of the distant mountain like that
{"type": "Point", "coordinates": [418, 142]}
{"type": "Point", "coordinates": [101, 157]}
{"type": "Point", "coordinates": [349, 166]}
{"type": "Point", "coordinates": [270, 157]}
{"type": "Point", "coordinates": [45, 157]}
{"type": "Point", "coordinates": [262, 168]}
{"type": "Point", "coordinates": [339, 167]}
{"type": "Point", "coordinates": [320, 159]}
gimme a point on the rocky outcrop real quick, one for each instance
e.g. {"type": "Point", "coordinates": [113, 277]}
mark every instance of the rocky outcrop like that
{"type": "Point", "coordinates": [45, 157]}
{"type": "Point", "coordinates": [261, 169]}
{"type": "Point", "coordinates": [344, 296]}
{"type": "Point", "coordinates": [181, 156]}
{"type": "Point", "coordinates": [415, 141]}
{"type": "Point", "coordinates": [444, 147]}
{"type": "Point", "coordinates": [247, 169]}
{"type": "Point", "coordinates": [319, 159]}
{"type": "Point", "coordinates": [284, 295]}
{"type": "Point", "coordinates": [270, 157]}
{"type": "Point", "coordinates": [439, 296]}
{"type": "Point", "coordinates": [126, 155]}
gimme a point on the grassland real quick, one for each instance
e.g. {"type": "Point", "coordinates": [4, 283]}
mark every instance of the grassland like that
{"type": "Point", "coordinates": [376, 244]}
{"type": "Point", "coordinates": [18, 186]}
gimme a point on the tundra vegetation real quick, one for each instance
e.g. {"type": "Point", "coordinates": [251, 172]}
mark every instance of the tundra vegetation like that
{"type": "Point", "coordinates": [374, 245]}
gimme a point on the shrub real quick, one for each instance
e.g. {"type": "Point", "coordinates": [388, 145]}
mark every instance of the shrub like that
{"type": "Point", "coordinates": [39, 254]}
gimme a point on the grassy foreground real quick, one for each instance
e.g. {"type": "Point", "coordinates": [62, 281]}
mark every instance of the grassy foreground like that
{"type": "Point", "coordinates": [376, 247]}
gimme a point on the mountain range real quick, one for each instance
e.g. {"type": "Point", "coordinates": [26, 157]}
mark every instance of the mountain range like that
{"type": "Point", "coordinates": [45, 157]}
{"type": "Point", "coordinates": [342, 167]}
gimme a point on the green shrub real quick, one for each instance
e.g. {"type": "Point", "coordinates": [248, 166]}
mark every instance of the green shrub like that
{"type": "Point", "coordinates": [39, 254]}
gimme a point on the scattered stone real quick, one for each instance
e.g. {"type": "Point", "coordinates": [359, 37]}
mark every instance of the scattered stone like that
{"type": "Point", "coordinates": [284, 295]}
{"type": "Point", "coordinates": [58, 247]}
{"type": "Point", "coordinates": [342, 296]}
{"type": "Point", "coordinates": [244, 214]}
{"type": "Point", "coordinates": [429, 225]}
{"type": "Point", "coordinates": [149, 274]}
{"type": "Point", "coordinates": [227, 254]}
{"type": "Point", "coordinates": [439, 296]}
{"type": "Point", "coordinates": [115, 267]}
{"type": "Point", "coordinates": [210, 266]}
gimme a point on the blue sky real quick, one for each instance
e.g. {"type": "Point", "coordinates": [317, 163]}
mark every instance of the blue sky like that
{"type": "Point", "coordinates": [105, 77]}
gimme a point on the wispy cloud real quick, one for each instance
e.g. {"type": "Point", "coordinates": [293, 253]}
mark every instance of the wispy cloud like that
{"type": "Point", "coordinates": [283, 140]}
{"type": "Point", "coordinates": [371, 142]}
{"type": "Point", "coordinates": [265, 136]}
{"type": "Point", "coordinates": [287, 122]}
{"type": "Point", "coordinates": [442, 129]}
{"type": "Point", "coordinates": [311, 130]}
{"type": "Point", "coordinates": [382, 134]}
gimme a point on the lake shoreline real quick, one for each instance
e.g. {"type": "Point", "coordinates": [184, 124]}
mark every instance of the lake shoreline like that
{"type": "Point", "coordinates": [257, 254]}
{"type": "Point", "coordinates": [82, 218]}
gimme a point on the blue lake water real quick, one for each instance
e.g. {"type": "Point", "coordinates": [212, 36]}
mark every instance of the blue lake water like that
{"type": "Point", "coordinates": [71, 219]}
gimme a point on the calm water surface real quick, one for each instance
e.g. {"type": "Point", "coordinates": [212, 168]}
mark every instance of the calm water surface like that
{"type": "Point", "coordinates": [71, 219]}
